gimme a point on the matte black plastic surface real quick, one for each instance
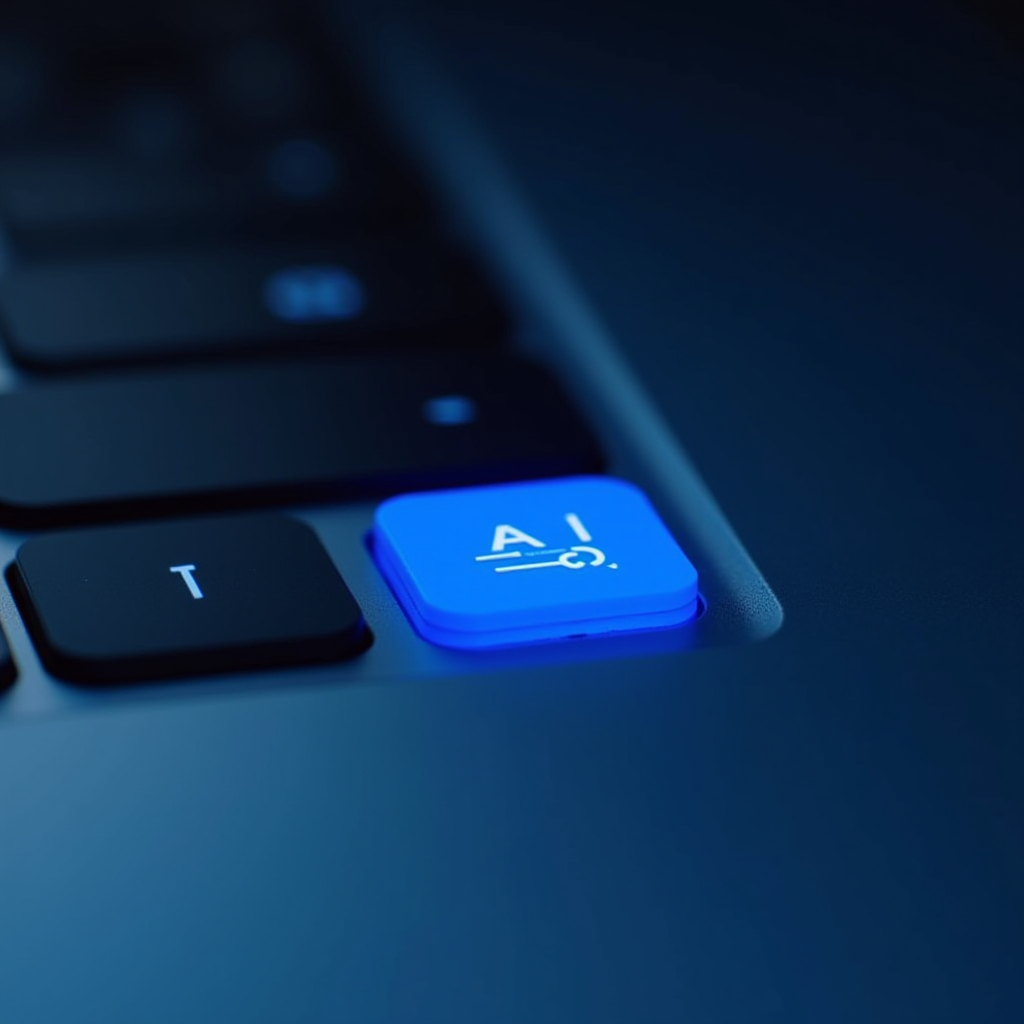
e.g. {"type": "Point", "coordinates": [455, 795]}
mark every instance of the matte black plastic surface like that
{"type": "Point", "coordinates": [271, 432]}
{"type": "Point", "coordinates": [114, 604]}
{"type": "Point", "coordinates": [215, 301]}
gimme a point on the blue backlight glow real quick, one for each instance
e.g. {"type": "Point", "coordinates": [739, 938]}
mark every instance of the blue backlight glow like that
{"type": "Point", "coordinates": [314, 294]}
{"type": "Point", "coordinates": [450, 410]}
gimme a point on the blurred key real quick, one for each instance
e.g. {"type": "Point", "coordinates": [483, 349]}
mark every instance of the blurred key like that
{"type": "Point", "coordinates": [276, 432]}
{"type": "Point", "coordinates": [55, 200]}
{"type": "Point", "coordinates": [211, 302]}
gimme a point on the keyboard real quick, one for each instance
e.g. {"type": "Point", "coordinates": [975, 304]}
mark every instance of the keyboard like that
{"type": "Point", "coordinates": [234, 310]}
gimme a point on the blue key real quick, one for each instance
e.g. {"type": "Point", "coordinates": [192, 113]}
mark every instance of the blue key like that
{"type": "Point", "coordinates": [518, 563]}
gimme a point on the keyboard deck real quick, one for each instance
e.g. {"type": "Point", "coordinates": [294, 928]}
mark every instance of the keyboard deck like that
{"type": "Point", "coordinates": [227, 290]}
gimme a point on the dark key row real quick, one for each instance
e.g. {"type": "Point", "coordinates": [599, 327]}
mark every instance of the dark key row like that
{"type": "Point", "coordinates": [72, 198]}
{"type": "Point", "coordinates": [150, 122]}
{"type": "Point", "coordinates": [233, 300]}
{"type": "Point", "coordinates": [194, 440]}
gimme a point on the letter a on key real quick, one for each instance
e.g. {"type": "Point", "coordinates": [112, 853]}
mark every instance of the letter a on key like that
{"type": "Point", "coordinates": [505, 535]}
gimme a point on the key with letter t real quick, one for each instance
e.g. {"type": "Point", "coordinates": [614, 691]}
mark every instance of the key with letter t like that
{"type": "Point", "coordinates": [129, 602]}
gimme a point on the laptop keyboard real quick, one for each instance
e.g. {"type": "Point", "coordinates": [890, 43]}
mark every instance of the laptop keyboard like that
{"type": "Point", "coordinates": [227, 293]}
{"type": "Point", "coordinates": [184, 191]}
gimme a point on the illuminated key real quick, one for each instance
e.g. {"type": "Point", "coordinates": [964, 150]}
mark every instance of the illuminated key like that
{"type": "Point", "coordinates": [516, 563]}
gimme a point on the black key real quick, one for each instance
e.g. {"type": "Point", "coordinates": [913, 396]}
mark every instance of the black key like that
{"type": "Point", "coordinates": [207, 439]}
{"type": "Point", "coordinates": [65, 199]}
{"type": "Point", "coordinates": [112, 604]}
{"type": "Point", "coordinates": [7, 670]}
{"type": "Point", "coordinates": [209, 303]}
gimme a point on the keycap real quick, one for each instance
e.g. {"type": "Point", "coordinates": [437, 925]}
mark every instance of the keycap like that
{"type": "Point", "coordinates": [218, 302]}
{"type": "Point", "coordinates": [518, 563]}
{"type": "Point", "coordinates": [186, 597]}
{"type": "Point", "coordinates": [209, 439]}
{"type": "Point", "coordinates": [59, 199]}
{"type": "Point", "coordinates": [7, 670]}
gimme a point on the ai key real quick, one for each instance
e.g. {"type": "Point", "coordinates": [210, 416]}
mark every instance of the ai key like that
{"type": "Point", "coordinates": [124, 603]}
